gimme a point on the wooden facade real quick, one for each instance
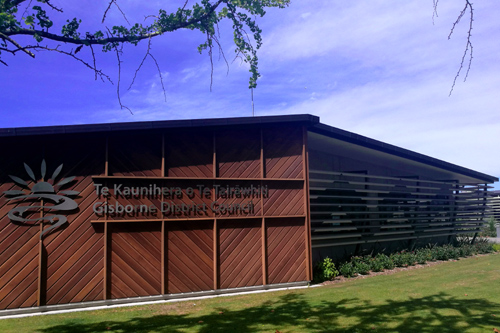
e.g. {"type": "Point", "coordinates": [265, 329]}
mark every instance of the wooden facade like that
{"type": "Point", "coordinates": [166, 208]}
{"type": "Point", "coordinates": [227, 240]}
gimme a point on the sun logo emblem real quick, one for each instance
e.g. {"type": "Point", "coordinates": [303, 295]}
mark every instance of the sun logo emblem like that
{"type": "Point", "coordinates": [48, 192]}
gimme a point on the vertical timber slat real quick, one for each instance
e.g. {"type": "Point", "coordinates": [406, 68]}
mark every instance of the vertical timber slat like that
{"type": "Point", "coordinates": [106, 159]}
{"type": "Point", "coordinates": [265, 278]}
{"type": "Point", "coordinates": [106, 286]}
{"type": "Point", "coordinates": [307, 210]}
{"type": "Point", "coordinates": [163, 258]}
{"type": "Point", "coordinates": [106, 291]}
{"type": "Point", "coordinates": [216, 226]}
{"type": "Point", "coordinates": [216, 255]}
{"type": "Point", "coordinates": [214, 160]}
{"type": "Point", "coordinates": [42, 259]}
{"type": "Point", "coordinates": [263, 225]}
{"type": "Point", "coordinates": [41, 264]}
{"type": "Point", "coordinates": [162, 173]}
{"type": "Point", "coordinates": [164, 255]}
{"type": "Point", "coordinates": [262, 160]}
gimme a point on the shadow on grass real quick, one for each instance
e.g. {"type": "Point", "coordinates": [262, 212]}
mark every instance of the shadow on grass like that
{"type": "Point", "coordinates": [437, 313]}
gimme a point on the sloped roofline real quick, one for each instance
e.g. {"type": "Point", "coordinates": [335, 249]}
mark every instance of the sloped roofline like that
{"type": "Point", "coordinates": [398, 151]}
{"type": "Point", "coordinates": [310, 121]}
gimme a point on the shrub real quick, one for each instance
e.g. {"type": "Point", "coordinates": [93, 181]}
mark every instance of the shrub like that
{"type": "Point", "coordinates": [397, 259]}
{"type": "Point", "coordinates": [451, 252]}
{"type": "Point", "coordinates": [424, 255]}
{"type": "Point", "coordinates": [465, 250]}
{"type": "Point", "coordinates": [376, 264]}
{"type": "Point", "coordinates": [409, 258]}
{"type": "Point", "coordinates": [496, 247]}
{"type": "Point", "coordinates": [446, 252]}
{"type": "Point", "coordinates": [325, 270]}
{"type": "Point", "coordinates": [483, 246]}
{"type": "Point", "coordinates": [433, 252]}
{"type": "Point", "coordinates": [347, 269]}
{"type": "Point", "coordinates": [387, 262]}
{"type": "Point", "coordinates": [360, 266]}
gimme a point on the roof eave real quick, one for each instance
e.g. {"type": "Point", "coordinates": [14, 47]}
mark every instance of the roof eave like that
{"type": "Point", "coordinates": [398, 151]}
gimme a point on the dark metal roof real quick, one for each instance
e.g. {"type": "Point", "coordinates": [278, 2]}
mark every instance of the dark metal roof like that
{"type": "Point", "coordinates": [144, 125]}
{"type": "Point", "coordinates": [313, 122]}
{"type": "Point", "coordinates": [397, 151]}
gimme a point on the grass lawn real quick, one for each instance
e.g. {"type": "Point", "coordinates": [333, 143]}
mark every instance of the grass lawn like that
{"type": "Point", "coordinates": [460, 296]}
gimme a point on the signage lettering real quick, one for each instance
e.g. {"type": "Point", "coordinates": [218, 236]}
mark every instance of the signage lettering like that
{"type": "Point", "coordinates": [174, 208]}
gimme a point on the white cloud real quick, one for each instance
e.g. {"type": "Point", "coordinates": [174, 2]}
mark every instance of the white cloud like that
{"type": "Point", "coordinates": [378, 68]}
{"type": "Point", "coordinates": [383, 70]}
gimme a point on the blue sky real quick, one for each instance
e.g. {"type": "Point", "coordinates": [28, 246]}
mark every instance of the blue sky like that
{"type": "Point", "coordinates": [378, 68]}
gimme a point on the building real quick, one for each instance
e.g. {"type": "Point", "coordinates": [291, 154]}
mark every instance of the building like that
{"type": "Point", "coordinates": [95, 214]}
{"type": "Point", "coordinates": [494, 205]}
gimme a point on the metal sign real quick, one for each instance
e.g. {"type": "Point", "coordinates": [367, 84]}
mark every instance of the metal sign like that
{"type": "Point", "coordinates": [47, 192]}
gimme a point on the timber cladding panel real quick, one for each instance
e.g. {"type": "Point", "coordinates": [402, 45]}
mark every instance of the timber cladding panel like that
{"type": "Point", "coordinates": [229, 211]}
{"type": "Point", "coordinates": [189, 154]}
{"type": "Point", "coordinates": [18, 266]}
{"type": "Point", "coordinates": [240, 254]}
{"type": "Point", "coordinates": [18, 258]}
{"type": "Point", "coordinates": [74, 255]}
{"type": "Point", "coordinates": [135, 155]}
{"type": "Point", "coordinates": [285, 248]}
{"type": "Point", "coordinates": [283, 157]}
{"type": "Point", "coordinates": [135, 259]}
{"type": "Point", "coordinates": [238, 154]}
{"type": "Point", "coordinates": [190, 261]}
{"type": "Point", "coordinates": [284, 200]}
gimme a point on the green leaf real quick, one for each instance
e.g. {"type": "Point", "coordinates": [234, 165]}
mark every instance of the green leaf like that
{"type": "Point", "coordinates": [30, 20]}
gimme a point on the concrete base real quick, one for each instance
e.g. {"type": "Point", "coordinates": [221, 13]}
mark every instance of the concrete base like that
{"type": "Point", "coordinates": [121, 302]}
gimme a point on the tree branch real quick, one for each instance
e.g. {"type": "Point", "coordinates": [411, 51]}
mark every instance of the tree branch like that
{"type": "Point", "coordinates": [209, 42]}
{"type": "Point", "coordinates": [161, 77]}
{"type": "Point", "coordinates": [26, 9]}
{"type": "Point", "coordinates": [93, 58]}
{"type": "Point", "coordinates": [121, 11]}
{"type": "Point", "coordinates": [468, 45]}
{"type": "Point", "coordinates": [204, 16]}
{"type": "Point", "coordinates": [435, 11]}
{"type": "Point", "coordinates": [53, 7]}
{"type": "Point", "coordinates": [119, 77]}
{"type": "Point", "coordinates": [19, 47]}
{"type": "Point", "coordinates": [84, 41]}
{"type": "Point", "coordinates": [14, 3]}
{"type": "Point", "coordinates": [99, 72]}
{"type": "Point", "coordinates": [123, 39]}
{"type": "Point", "coordinates": [106, 11]}
{"type": "Point", "coordinates": [148, 53]}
